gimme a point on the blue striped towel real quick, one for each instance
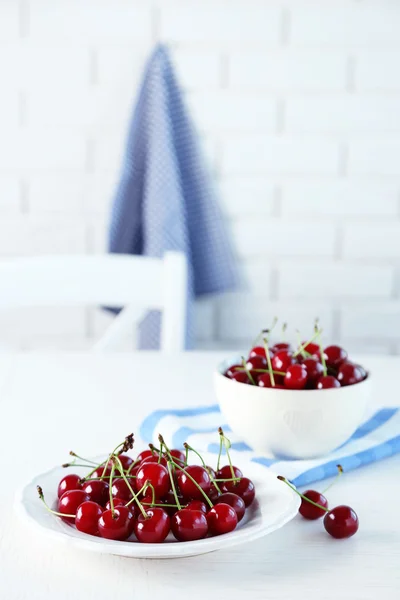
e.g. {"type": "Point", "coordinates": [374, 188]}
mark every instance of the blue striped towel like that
{"type": "Point", "coordinates": [376, 439]}
{"type": "Point", "coordinates": [165, 198]}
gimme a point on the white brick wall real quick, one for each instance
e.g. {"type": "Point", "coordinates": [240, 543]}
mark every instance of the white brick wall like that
{"type": "Point", "coordinates": [297, 105]}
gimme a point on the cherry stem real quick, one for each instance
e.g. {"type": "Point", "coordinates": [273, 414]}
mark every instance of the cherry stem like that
{"type": "Point", "coordinates": [262, 371]}
{"type": "Point", "coordinates": [321, 350]}
{"type": "Point", "coordinates": [271, 373]}
{"type": "Point", "coordinates": [53, 512]}
{"type": "Point", "coordinates": [247, 371]}
{"type": "Point", "coordinates": [142, 489]}
{"type": "Point", "coordinates": [187, 447]}
{"type": "Point", "coordinates": [339, 473]}
{"type": "Point", "coordinates": [134, 496]}
{"type": "Point", "coordinates": [263, 331]}
{"type": "Point", "coordinates": [193, 481]}
{"type": "Point", "coordinates": [110, 491]}
{"type": "Point", "coordinates": [281, 478]}
{"type": "Point", "coordinates": [87, 460]}
{"type": "Point", "coordinates": [171, 476]}
{"type": "Point", "coordinates": [227, 445]}
{"type": "Point", "coordinates": [303, 346]}
{"type": "Point", "coordinates": [220, 452]}
{"type": "Point", "coordinates": [74, 464]}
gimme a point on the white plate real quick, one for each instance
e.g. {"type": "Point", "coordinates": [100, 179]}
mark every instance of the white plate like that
{"type": "Point", "coordinates": [274, 506]}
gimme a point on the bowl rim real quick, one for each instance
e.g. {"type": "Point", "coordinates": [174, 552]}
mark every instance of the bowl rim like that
{"type": "Point", "coordinates": [228, 362]}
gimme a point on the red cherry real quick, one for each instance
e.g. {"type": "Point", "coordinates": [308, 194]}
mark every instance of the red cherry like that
{"type": "Point", "coordinates": [327, 381]}
{"type": "Point", "coordinates": [281, 346]}
{"type": "Point", "coordinates": [154, 528]}
{"type": "Point", "coordinates": [70, 501]}
{"type": "Point", "coordinates": [155, 474]}
{"type": "Point", "coordinates": [87, 517]}
{"type": "Point", "coordinates": [241, 377]}
{"type": "Point", "coordinates": [350, 374]}
{"type": "Point", "coordinates": [225, 472]}
{"type": "Point", "coordinates": [222, 518]}
{"type": "Point", "coordinates": [243, 488]}
{"type": "Point", "coordinates": [69, 482]}
{"type": "Point", "coordinates": [314, 371]}
{"type": "Point", "coordinates": [178, 455]}
{"type": "Point", "coordinates": [232, 370]}
{"type": "Point", "coordinates": [311, 348]}
{"type": "Point", "coordinates": [257, 351]}
{"type": "Point", "coordinates": [116, 502]}
{"type": "Point", "coordinates": [154, 459]}
{"type": "Point", "coordinates": [257, 362]}
{"type": "Point", "coordinates": [197, 505]}
{"type": "Point", "coordinates": [308, 510]}
{"type": "Point", "coordinates": [213, 494]}
{"type": "Point", "coordinates": [296, 377]}
{"type": "Point", "coordinates": [145, 454]}
{"type": "Point", "coordinates": [126, 461]}
{"type": "Point", "coordinates": [117, 527]}
{"type": "Point", "coordinates": [99, 472]}
{"type": "Point", "coordinates": [335, 356]}
{"type": "Point", "coordinates": [341, 522]}
{"type": "Point", "coordinates": [97, 490]}
{"type": "Point", "coordinates": [188, 488]}
{"type": "Point", "coordinates": [235, 501]}
{"type": "Point", "coordinates": [282, 360]}
{"type": "Point", "coordinates": [120, 489]}
{"type": "Point", "coordinates": [264, 380]}
{"type": "Point", "coordinates": [188, 525]}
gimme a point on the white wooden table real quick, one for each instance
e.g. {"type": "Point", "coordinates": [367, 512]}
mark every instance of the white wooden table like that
{"type": "Point", "coordinates": [51, 404]}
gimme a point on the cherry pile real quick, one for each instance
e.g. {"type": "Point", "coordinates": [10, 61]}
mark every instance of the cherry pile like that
{"type": "Point", "coordinates": [308, 366]}
{"type": "Point", "coordinates": [340, 522]}
{"type": "Point", "coordinates": [158, 492]}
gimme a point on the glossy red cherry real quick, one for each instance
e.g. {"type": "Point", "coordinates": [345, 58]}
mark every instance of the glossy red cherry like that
{"type": "Point", "coordinates": [335, 356]}
{"type": "Point", "coordinates": [314, 371]}
{"type": "Point", "coordinates": [178, 455]}
{"type": "Point", "coordinates": [242, 377]}
{"type": "Point", "coordinates": [264, 380]}
{"type": "Point", "coordinates": [188, 525]}
{"type": "Point", "coordinates": [69, 482]}
{"type": "Point", "coordinates": [188, 489]}
{"type": "Point", "coordinates": [126, 461]}
{"type": "Point", "coordinates": [222, 518]}
{"type": "Point", "coordinates": [282, 360]}
{"type": "Point", "coordinates": [154, 528]}
{"type": "Point", "coordinates": [257, 351]}
{"type": "Point", "coordinates": [99, 472]}
{"type": "Point", "coordinates": [154, 459]}
{"type": "Point", "coordinates": [281, 346]}
{"type": "Point", "coordinates": [120, 489]}
{"type": "Point", "coordinates": [235, 501]}
{"type": "Point", "coordinates": [143, 455]}
{"type": "Point", "coordinates": [243, 488]}
{"type": "Point", "coordinates": [225, 472]}
{"type": "Point", "coordinates": [197, 505]}
{"type": "Point", "coordinates": [326, 382]}
{"type": "Point", "coordinates": [349, 374]}
{"type": "Point", "coordinates": [155, 474]}
{"type": "Point", "coordinates": [97, 490]}
{"type": "Point", "coordinates": [296, 377]}
{"type": "Point", "coordinates": [311, 348]}
{"type": "Point", "coordinates": [213, 494]}
{"type": "Point", "coordinates": [118, 526]}
{"type": "Point", "coordinates": [257, 362]}
{"type": "Point", "coordinates": [232, 370]}
{"type": "Point", "coordinates": [87, 517]}
{"type": "Point", "coordinates": [341, 522]}
{"type": "Point", "coordinates": [69, 502]}
{"type": "Point", "coordinates": [116, 502]}
{"type": "Point", "coordinates": [308, 510]}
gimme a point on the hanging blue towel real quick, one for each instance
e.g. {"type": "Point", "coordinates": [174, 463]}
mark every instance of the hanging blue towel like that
{"type": "Point", "coordinates": [377, 438]}
{"type": "Point", "coordinates": [165, 198]}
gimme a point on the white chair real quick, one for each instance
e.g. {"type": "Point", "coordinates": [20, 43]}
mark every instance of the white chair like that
{"type": "Point", "coordinates": [137, 283]}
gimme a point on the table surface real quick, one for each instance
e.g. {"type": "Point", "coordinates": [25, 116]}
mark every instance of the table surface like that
{"type": "Point", "coordinates": [51, 404]}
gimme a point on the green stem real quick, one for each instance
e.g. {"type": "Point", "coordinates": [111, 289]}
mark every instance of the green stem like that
{"type": "Point", "coordinates": [134, 496]}
{"type": "Point", "coordinates": [262, 371]}
{"type": "Point", "coordinates": [303, 346]}
{"type": "Point", "coordinates": [247, 371]}
{"type": "Point", "coordinates": [53, 512]}
{"type": "Point", "coordinates": [210, 504]}
{"type": "Point", "coordinates": [110, 491]}
{"type": "Point", "coordinates": [301, 495]}
{"type": "Point", "coordinates": [227, 445]}
{"type": "Point", "coordinates": [187, 447]}
{"type": "Point", "coordinates": [220, 452]}
{"type": "Point", "coordinates": [72, 453]}
{"type": "Point", "coordinates": [340, 471]}
{"type": "Point", "coordinates": [271, 373]}
{"type": "Point", "coordinates": [321, 351]}
{"type": "Point", "coordinates": [171, 476]}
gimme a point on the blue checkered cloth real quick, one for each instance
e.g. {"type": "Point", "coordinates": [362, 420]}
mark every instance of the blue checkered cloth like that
{"type": "Point", "coordinates": [165, 198]}
{"type": "Point", "coordinates": [377, 438]}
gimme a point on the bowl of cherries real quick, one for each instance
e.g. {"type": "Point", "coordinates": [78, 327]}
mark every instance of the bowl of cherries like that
{"type": "Point", "coordinates": [293, 401]}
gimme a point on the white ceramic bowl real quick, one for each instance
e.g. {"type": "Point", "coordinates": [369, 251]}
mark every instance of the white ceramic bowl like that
{"type": "Point", "coordinates": [291, 423]}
